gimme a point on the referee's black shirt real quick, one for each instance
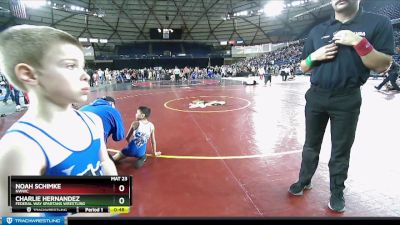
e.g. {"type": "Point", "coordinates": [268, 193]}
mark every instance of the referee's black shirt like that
{"type": "Point", "coordinates": [346, 70]}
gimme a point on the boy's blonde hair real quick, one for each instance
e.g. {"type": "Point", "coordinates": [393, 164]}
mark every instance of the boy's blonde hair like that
{"type": "Point", "coordinates": [28, 44]}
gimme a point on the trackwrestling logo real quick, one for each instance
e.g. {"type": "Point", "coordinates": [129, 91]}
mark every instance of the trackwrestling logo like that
{"type": "Point", "coordinates": [33, 220]}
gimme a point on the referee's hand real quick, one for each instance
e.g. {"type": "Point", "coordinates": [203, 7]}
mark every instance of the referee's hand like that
{"type": "Point", "coordinates": [346, 37]}
{"type": "Point", "coordinates": [325, 52]}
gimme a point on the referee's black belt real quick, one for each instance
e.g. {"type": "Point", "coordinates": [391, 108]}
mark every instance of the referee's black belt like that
{"type": "Point", "coordinates": [336, 91]}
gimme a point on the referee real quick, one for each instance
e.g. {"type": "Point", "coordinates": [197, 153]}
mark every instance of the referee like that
{"type": "Point", "coordinates": [340, 52]}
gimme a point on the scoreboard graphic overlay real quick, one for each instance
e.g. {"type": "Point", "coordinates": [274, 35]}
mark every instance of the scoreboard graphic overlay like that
{"type": "Point", "coordinates": [75, 194]}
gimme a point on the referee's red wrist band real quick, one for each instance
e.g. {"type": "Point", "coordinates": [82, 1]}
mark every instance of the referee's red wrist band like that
{"type": "Point", "coordinates": [364, 47]}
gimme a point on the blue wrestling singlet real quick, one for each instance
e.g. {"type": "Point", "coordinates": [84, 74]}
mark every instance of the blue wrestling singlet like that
{"type": "Point", "coordinates": [137, 146]}
{"type": "Point", "coordinates": [61, 160]}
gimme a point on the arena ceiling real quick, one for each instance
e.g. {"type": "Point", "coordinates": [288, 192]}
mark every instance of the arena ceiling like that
{"type": "Point", "coordinates": [124, 21]}
{"type": "Point", "coordinates": [200, 20]}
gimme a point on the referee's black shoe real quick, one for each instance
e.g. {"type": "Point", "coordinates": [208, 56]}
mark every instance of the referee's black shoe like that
{"type": "Point", "coordinates": [298, 188]}
{"type": "Point", "coordinates": [336, 202]}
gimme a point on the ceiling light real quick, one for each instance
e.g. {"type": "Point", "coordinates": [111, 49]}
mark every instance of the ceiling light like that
{"type": "Point", "coordinates": [34, 3]}
{"type": "Point", "coordinates": [274, 8]}
{"type": "Point", "coordinates": [93, 40]}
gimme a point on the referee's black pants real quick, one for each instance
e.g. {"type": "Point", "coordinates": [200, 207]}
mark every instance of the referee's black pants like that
{"type": "Point", "coordinates": [342, 108]}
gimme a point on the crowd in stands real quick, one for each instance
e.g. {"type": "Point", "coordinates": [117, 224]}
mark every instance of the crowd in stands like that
{"type": "Point", "coordinates": [273, 62]}
{"type": "Point", "coordinates": [100, 76]}
{"type": "Point", "coordinates": [389, 9]}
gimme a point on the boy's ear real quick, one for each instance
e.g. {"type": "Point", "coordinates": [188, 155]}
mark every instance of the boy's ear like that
{"type": "Point", "coordinates": [26, 74]}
